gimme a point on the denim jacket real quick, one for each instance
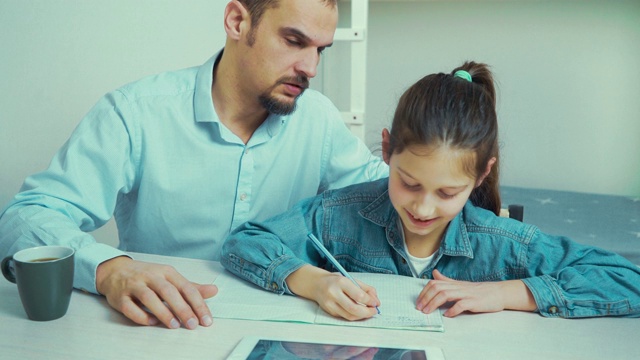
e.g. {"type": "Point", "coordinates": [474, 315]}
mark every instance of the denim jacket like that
{"type": "Point", "coordinates": [359, 226]}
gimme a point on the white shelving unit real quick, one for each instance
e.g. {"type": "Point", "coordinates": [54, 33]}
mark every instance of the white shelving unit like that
{"type": "Point", "coordinates": [356, 35]}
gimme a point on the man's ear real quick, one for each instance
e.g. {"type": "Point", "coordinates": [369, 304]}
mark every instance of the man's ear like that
{"type": "Point", "coordinates": [486, 171]}
{"type": "Point", "coordinates": [236, 20]}
{"type": "Point", "coordinates": [385, 145]}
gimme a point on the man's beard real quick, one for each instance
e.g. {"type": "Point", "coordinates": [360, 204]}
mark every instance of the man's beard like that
{"type": "Point", "coordinates": [273, 105]}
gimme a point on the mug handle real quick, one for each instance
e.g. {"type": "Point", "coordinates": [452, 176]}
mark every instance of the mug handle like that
{"type": "Point", "coordinates": [7, 269]}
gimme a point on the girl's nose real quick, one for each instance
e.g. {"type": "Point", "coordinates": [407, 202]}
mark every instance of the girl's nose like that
{"type": "Point", "coordinates": [424, 207]}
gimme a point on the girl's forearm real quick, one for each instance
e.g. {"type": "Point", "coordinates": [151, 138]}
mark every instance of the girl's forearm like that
{"type": "Point", "coordinates": [517, 296]}
{"type": "Point", "coordinates": [304, 281]}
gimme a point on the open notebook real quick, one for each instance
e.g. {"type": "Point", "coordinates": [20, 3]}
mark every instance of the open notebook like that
{"type": "Point", "coordinates": [239, 299]}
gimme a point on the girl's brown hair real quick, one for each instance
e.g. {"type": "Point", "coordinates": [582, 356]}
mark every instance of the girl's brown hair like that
{"type": "Point", "coordinates": [449, 110]}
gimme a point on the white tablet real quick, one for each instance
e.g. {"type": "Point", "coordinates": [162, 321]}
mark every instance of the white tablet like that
{"type": "Point", "coordinates": [285, 349]}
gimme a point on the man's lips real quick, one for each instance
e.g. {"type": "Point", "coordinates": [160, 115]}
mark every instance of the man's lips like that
{"type": "Point", "coordinates": [294, 85]}
{"type": "Point", "coordinates": [294, 89]}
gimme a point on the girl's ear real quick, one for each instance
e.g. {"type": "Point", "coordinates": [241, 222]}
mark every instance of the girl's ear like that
{"type": "Point", "coordinates": [236, 19]}
{"type": "Point", "coordinates": [385, 145]}
{"type": "Point", "coordinates": [486, 171]}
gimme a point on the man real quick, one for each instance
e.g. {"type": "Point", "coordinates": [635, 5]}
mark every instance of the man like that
{"type": "Point", "coordinates": [182, 158]}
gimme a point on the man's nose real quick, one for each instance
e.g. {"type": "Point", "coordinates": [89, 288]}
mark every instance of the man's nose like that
{"type": "Point", "coordinates": [308, 64]}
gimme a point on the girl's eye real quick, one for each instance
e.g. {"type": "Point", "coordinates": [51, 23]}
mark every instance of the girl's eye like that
{"type": "Point", "coordinates": [409, 186]}
{"type": "Point", "coordinates": [446, 196]}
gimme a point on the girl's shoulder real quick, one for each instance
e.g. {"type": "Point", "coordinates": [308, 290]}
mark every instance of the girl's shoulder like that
{"type": "Point", "coordinates": [478, 220]}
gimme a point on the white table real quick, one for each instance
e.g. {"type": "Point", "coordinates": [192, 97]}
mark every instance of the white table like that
{"type": "Point", "coordinates": [93, 330]}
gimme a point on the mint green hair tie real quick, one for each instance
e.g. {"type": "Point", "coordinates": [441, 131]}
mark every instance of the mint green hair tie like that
{"type": "Point", "coordinates": [463, 75]}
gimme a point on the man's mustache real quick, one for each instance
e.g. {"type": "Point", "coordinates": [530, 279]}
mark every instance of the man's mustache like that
{"type": "Point", "coordinates": [300, 81]}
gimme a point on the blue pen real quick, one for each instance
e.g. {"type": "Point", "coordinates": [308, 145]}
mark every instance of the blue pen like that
{"type": "Point", "coordinates": [333, 260]}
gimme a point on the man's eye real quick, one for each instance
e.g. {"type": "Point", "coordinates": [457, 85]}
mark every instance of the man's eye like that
{"type": "Point", "coordinates": [294, 42]}
{"type": "Point", "coordinates": [320, 50]}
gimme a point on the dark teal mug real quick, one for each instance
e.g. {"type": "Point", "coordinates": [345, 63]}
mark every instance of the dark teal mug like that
{"type": "Point", "coordinates": [44, 276]}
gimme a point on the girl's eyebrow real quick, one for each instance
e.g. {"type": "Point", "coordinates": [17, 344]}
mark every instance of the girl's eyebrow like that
{"type": "Point", "coordinates": [454, 187]}
{"type": "Point", "coordinates": [461, 187]}
{"type": "Point", "coordinates": [405, 173]}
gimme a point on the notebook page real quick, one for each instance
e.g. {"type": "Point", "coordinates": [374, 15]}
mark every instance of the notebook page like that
{"type": "Point", "coordinates": [239, 299]}
{"type": "Point", "coordinates": [398, 296]}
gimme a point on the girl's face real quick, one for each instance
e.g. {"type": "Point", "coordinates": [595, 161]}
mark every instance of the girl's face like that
{"type": "Point", "coordinates": [428, 187]}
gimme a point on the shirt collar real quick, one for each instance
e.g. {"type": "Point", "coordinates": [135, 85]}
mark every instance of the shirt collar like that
{"type": "Point", "coordinates": [205, 111]}
{"type": "Point", "coordinates": [202, 103]}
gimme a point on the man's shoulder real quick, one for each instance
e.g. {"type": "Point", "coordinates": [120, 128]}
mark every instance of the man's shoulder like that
{"type": "Point", "coordinates": [168, 83]}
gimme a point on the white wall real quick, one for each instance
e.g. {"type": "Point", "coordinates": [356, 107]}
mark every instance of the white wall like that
{"type": "Point", "coordinates": [568, 74]}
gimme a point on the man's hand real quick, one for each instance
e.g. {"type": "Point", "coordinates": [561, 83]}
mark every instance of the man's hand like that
{"type": "Point", "coordinates": [477, 297]}
{"type": "Point", "coordinates": [132, 286]}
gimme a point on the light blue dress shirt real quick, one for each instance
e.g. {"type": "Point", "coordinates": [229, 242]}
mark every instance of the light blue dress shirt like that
{"type": "Point", "coordinates": [155, 155]}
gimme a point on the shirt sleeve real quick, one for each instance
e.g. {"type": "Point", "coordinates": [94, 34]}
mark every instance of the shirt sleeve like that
{"type": "Point", "coordinates": [572, 280]}
{"type": "Point", "coordinates": [77, 193]}
{"type": "Point", "coordinates": [348, 160]}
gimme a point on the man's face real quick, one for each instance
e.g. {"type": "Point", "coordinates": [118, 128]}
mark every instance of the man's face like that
{"type": "Point", "coordinates": [285, 51]}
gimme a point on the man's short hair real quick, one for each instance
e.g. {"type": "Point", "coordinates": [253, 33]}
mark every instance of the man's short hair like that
{"type": "Point", "coordinates": [257, 8]}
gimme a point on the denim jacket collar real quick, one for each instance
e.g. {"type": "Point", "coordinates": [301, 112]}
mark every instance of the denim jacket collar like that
{"type": "Point", "coordinates": [456, 239]}
{"type": "Point", "coordinates": [382, 213]}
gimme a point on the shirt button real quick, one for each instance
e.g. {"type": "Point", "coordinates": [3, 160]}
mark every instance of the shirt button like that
{"type": "Point", "coordinates": [246, 151]}
{"type": "Point", "coordinates": [243, 197]}
{"type": "Point", "coordinates": [553, 310]}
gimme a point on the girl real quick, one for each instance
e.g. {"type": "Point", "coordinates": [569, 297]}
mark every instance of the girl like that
{"type": "Point", "coordinates": [434, 217]}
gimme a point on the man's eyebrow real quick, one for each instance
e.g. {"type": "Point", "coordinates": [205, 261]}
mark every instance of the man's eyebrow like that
{"type": "Point", "coordinates": [287, 31]}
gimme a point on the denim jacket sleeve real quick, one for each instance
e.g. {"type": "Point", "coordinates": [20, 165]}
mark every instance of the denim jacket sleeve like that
{"type": "Point", "coordinates": [266, 253]}
{"type": "Point", "coordinates": [572, 280]}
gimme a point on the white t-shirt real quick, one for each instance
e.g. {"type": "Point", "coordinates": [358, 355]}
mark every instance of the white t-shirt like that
{"type": "Point", "coordinates": [416, 264]}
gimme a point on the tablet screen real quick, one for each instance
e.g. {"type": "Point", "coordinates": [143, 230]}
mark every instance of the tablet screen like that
{"type": "Point", "coordinates": [303, 350]}
{"type": "Point", "coordinates": [277, 349]}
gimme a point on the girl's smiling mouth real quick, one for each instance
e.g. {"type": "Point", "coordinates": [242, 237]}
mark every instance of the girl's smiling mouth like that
{"type": "Point", "coordinates": [419, 222]}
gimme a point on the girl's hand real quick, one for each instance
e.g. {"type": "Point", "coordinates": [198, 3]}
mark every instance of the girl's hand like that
{"type": "Point", "coordinates": [335, 294]}
{"type": "Point", "coordinates": [475, 297]}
